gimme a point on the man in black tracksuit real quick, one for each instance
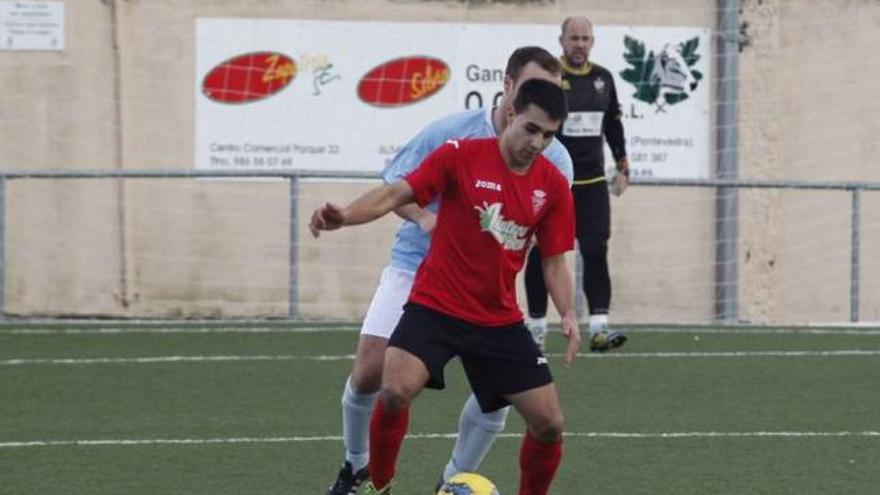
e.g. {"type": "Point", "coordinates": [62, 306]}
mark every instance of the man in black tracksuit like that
{"type": "Point", "coordinates": [594, 113]}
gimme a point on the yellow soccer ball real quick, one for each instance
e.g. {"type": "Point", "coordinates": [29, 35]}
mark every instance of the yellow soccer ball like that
{"type": "Point", "coordinates": [468, 484]}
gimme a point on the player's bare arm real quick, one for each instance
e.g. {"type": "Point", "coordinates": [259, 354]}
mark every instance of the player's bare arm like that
{"type": "Point", "coordinates": [371, 205]}
{"type": "Point", "coordinates": [426, 219]}
{"type": "Point", "coordinates": [560, 285]}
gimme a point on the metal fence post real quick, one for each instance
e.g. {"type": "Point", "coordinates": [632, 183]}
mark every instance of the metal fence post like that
{"type": "Point", "coordinates": [854, 255]}
{"type": "Point", "coordinates": [2, 247]}
{"type": "Point", "coordinates": [293, 267]}
{"type": "Point", "coordinates": [727, 202]}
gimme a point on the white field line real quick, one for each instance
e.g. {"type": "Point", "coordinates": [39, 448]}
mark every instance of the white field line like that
{"type": "Point", "coordinates": [177, 330]}
{"type": "Point", "coordinates": [762, 331]}
{"type": "Point", "coordinates": [431, 436]}
{"type": "Point", "coordinates": [168, 359]}
{"type": "Point", "coordinates": [735, 354]}
{"type": "Point", "coordinates": [354, 328]}
{"type": "Point", "coordinates": [349, 357]}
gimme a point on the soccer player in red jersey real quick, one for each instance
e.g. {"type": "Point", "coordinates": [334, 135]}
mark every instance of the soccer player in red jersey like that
{"type": "Point", "coordinates": [496, 194]}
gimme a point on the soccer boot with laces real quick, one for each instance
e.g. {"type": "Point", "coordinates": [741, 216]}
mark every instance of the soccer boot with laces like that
{"type": "Point", "coordinates": [439, 484]}
{"type": "Point", "coordinates": [372, 490]}
{"type": "Point", "coordinates": [348, 481]}
{"type": "Point", "coordinates": [605, 340]}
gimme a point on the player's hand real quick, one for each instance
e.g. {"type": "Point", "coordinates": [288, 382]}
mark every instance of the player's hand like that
{"type": "Point", "coordinates": [571, 332]}
{"type": "Point", "coordinates": [327, 217]}
{"type": "Point", "coordinates": [622, 178]}
{"type": "Point", "coordinates": [427, 221]}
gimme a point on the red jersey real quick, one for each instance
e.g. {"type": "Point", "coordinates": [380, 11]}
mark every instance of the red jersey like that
{"type": "Point", "coordinates": [485, 224]}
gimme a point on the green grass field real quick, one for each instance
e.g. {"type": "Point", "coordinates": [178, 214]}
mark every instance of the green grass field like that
{"type": "Point", "coordinates": [188, 410]}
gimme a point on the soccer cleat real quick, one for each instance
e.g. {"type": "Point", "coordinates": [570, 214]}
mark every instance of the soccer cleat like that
{"type": "Point", "coordinates": [371, 490]}
{"type": "Point", "coordinates": [348, 482]}
{"type": "Point", "coordinates": [439, 484]}
{"type": "Point", "coordinates": [539, 335]}
{"type": "Point", "coordinates": [605, 340]}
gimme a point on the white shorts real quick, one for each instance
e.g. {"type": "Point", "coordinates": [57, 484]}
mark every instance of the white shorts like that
{"type": "Point", "coordinates": [386, 307]}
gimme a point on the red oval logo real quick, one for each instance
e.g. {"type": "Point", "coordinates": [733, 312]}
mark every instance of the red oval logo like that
{"type": "Point", "coordinates": [249, 77]}
{"type": "Point", "coordinates": [403, 81]}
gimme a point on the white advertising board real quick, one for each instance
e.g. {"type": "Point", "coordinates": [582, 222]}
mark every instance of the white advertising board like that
{"type": "Point", "coordinates": [339, 95]}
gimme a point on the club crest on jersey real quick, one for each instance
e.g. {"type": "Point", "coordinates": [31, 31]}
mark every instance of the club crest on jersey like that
{"type": "Point", "coordinates": [487, 184]}
{"type": "Point", "coordinates": [511, 236]}
{"type": "Point", "coordinates": [539, 198]}
{"type": "Point", "coordinates": [599, 84]}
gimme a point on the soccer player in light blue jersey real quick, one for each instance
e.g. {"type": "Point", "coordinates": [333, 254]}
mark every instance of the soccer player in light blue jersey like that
{"type": "Point", "coordinates": [477, 430]}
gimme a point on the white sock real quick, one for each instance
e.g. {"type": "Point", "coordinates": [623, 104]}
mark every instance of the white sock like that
{"type": "Point", "coordinates": [536, 322]}
{"type": "Point", "coordinates": [477, 432]}
{"type": "Point", "coordinates": [356, 412]}
{"type": "Point", "coordinates": [597, 323]}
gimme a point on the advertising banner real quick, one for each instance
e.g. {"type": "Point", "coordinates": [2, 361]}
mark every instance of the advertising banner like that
{"type": "Point", "coordinates": [341, 95]}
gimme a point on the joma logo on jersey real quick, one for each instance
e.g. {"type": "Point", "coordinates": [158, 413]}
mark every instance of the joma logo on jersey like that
{"type": "Point", "coordinates": [485, 184]}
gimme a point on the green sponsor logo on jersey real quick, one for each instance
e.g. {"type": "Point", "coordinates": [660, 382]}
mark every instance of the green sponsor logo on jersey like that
{"type": "Point", "coordinates": [510, 235]}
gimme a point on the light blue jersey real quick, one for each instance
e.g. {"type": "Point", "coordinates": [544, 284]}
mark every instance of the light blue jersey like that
{"type": "Point", "coordinates": [410, 242]}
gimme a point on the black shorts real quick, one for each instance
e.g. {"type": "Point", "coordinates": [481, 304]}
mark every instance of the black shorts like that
{"type": "Point", "coordinates": [498, 361]}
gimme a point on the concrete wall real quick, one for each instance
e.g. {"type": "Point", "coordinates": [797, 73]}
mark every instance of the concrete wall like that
{"type": "Point", "coordinates": [58, 110]}
{"type": "Point", "coordinates": [121, 96]}
{"type": "Point", "coordinates": [808, 112]}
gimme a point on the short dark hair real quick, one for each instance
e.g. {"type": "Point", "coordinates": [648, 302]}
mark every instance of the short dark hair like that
{"type": "Point", "coordinates": [524, 55]}
{"type": "Point", "coordinates": [546, 95]}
